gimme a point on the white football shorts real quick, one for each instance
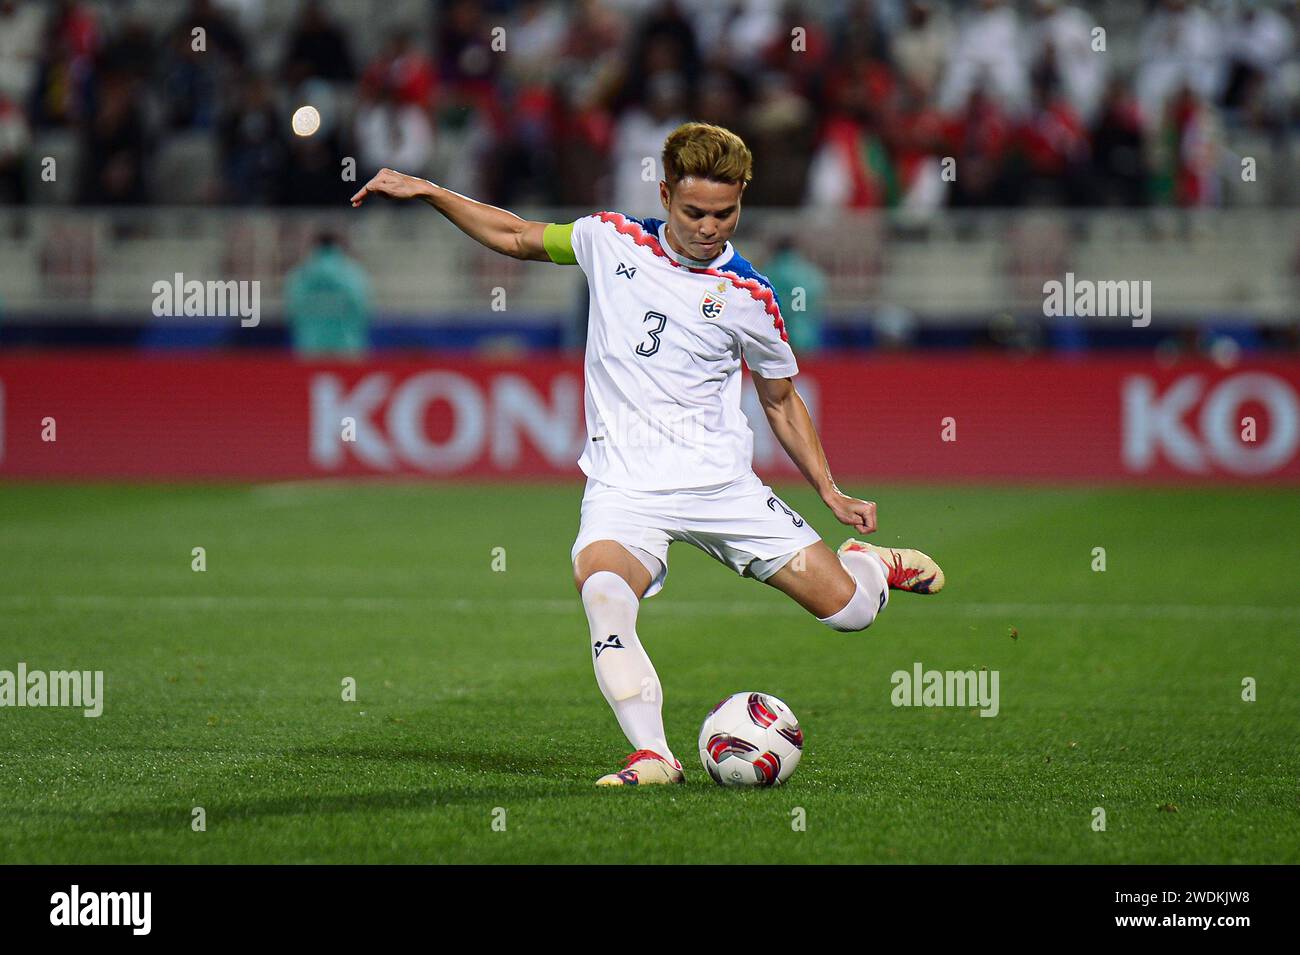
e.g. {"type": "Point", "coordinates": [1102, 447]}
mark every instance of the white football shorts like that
{"type": "Point", "coordinates": [741, 523]}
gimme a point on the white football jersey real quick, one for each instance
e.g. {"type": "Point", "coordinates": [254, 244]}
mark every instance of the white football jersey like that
{"type": "Point", "coordinates": [665, 339]}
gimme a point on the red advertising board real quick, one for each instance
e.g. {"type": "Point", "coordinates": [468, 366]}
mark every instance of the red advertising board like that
{"type": "Point", "coordinates": [963, 418]}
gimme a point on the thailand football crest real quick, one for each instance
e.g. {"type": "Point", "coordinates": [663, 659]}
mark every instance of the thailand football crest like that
{"type": "Point", "coordinates": [713, 303]}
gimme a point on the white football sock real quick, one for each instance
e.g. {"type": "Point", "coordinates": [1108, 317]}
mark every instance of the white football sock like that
{"type": "Point", "coordinates": [869, 571]}
{"type": "Point", "coordinates": [623, 670]}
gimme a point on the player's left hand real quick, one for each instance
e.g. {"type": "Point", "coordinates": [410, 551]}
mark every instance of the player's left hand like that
{"type": "Point", "coordinates": [860, 515]}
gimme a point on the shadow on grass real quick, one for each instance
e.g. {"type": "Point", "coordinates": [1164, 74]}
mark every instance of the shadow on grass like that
{"type": "Point", "coordinates": [477, 759]}
{"type": "Point", "coordinates": [540, 772]}
{"type": "Point", "coordinates": [177, 817]}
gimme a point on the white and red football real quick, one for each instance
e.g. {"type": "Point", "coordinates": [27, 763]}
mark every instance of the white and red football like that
{"type": "Point", "coordinates": [750, 739]}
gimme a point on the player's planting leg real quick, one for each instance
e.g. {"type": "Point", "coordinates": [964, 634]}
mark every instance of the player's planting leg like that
{"type": "Point", "coordinates": [628, 680]}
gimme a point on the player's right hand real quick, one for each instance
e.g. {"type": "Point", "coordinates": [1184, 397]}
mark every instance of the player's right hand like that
{"type": "Point", "coordinates": [858, 514]}
{"type": "Point", "coordinates": [394, 185]}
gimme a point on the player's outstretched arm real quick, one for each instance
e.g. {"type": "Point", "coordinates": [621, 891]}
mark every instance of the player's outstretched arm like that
{"type": "Point", "coordinates": [499, 230]}
{"type": "Point", "coordinates": [793, 426]}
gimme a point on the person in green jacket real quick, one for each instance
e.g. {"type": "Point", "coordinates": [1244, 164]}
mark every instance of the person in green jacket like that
{"type": "Point", "coordinates": [327, 303]}
{"type": "Point", "coordinates": [800, 287]}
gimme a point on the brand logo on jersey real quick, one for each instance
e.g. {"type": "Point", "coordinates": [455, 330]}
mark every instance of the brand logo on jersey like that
{"type": "Point", "coordinates": [613, 643]}
{"type": "Point", "coordinates": [711, 305]}
{"type": "Point", "coordinates": [629, 271]}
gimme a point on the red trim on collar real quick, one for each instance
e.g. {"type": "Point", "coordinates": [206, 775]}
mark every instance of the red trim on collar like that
{"type": "Point", "coordinates": [643, 238]}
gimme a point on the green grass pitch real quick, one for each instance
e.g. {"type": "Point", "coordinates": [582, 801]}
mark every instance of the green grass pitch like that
{"type": "Point", "coordinates": [475, 693]}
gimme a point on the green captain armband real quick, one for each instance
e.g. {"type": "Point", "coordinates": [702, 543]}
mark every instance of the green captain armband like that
{"type": "Point", "coordinates": [558, 240]}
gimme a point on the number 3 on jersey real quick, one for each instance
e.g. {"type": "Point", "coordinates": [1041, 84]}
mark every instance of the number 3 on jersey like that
{"type": "Point", "coordinates": [646, 349]}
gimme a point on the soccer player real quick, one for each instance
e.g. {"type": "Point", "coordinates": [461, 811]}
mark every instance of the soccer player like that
{"type": "Point", "coordinates": [674, 310]}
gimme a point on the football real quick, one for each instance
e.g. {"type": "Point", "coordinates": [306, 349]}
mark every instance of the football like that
{"type": "Point", "coordinates": [750, 739]}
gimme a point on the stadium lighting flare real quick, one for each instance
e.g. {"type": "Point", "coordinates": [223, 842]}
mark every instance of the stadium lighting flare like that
{"type": "Point", "coordinates": [306, 120]}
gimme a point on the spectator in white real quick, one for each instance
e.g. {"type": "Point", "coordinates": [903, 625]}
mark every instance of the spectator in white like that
{"type": "Point", "coordinates": [1260, 42]}
{"type": "Point", "coordinates": [735, 33]}
{"type": "Point", "coordinates": [921, 45]}
{"type": "Point", "coordinates": [987, 56]}
{"type": "Point", "coordinates": [1181, 46]}
{"type": "Point", "coordinates": [22, 25]}
{"type": "Point", "coordinates": [638, 137]}
{"type": "Point", "coordinates": [392, 133]}
{"type": "Point", "coordinates": [536, 36]}
{"type": "Point", "coordinates": [1060, 41]}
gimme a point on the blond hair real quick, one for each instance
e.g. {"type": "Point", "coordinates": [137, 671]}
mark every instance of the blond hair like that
{"type": "Point", "coordinates": [707, 152]}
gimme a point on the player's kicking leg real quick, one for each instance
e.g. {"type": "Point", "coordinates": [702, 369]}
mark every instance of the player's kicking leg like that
{"type": "Point", "coordinates": [905, 568]}
{"type": "Point", "coordinates": [612, 580]}
{"type": "Point", "coordinates": [847, 590]}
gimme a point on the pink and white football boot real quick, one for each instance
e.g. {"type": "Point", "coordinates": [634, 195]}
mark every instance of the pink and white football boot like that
{"type": "Point", "coordinates": [905, 569]}
{"type": "Point", "coordinates": [645, 767]}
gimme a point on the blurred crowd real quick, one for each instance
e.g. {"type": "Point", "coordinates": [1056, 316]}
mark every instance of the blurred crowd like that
{"type": "Point", "coordinates": [845, 104]}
